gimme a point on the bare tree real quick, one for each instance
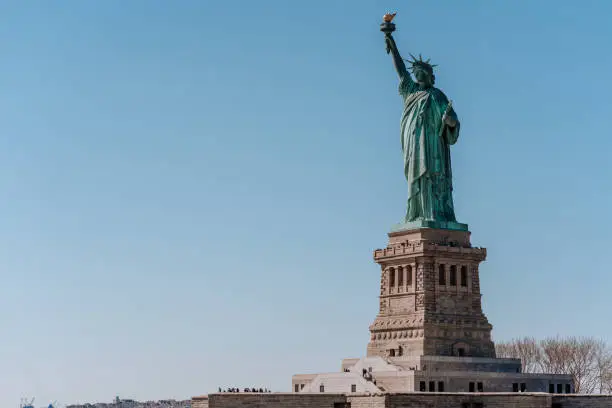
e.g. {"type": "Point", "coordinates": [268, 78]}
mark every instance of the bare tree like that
{"type": "Point", "coordinates": [553, 356]}
{"type": "Point", "coordinates": [530, 354]}
{"type": "Point", "coordinates": [606, 382]}
{"type": "Point", "coordinates": [588, 360]}
{"type": "Point", "coordinates": [525, 349]}
{"type": "Point", "coordinates": [582, 363]}
{"type": "Point", "coordinates": [505, 349]}
{"type": "Point", "coordinates": [603, 365]}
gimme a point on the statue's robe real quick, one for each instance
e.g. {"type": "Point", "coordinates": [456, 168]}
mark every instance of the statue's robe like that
{"type": "Point", "coordinates": [426, 144]}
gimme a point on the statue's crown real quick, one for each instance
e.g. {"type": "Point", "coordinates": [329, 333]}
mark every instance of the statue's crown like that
{"type": "Point", "coordinates": [419, 63]}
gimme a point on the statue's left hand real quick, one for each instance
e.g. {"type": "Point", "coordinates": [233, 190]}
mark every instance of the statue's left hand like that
{"type": "Point", "coordinates": [449, 120]}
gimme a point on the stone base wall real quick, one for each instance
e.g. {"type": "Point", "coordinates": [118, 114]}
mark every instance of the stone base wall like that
{"type": "Point", "coordinates": [376, 401]}
{"type": "Point", "coordinates": [456, 400]}
{"type": "Point", "coordinates": [582, 401]}
{"type": "Point", "coordinates": [199, 402]}
{"type": "Point", "coordinates": [429, 400]}
{"type": "Point", "coordinates": [276, 400]}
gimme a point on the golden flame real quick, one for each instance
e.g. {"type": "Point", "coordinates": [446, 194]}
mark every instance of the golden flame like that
{"type": "Point", "coordinates": [387, 18]}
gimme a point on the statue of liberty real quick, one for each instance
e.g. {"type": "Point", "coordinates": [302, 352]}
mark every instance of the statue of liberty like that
{"type": "Point", "coordinates": [429, 126]}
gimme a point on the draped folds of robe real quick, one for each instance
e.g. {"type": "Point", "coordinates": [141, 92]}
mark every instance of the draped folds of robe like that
{"type": "Point", "coordinates": [426, 144]}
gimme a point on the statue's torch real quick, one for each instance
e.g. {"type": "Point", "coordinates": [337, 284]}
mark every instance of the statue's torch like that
{"type": "Point", "coordinates": [387, 26]}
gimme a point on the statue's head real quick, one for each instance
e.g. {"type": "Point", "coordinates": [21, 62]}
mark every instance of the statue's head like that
{"type": "Point", "coordinates": [423, 72]}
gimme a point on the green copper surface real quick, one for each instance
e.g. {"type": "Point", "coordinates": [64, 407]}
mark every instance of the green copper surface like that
{"type": "Point", "coordinates": [412, 225]}
{"type": "Point", "coordinates": [429, 126]}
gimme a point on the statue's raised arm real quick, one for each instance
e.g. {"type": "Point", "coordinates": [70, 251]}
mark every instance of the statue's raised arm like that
{"type": "Point", "coordinates": [398, 62]}
{"type": "Point", "coordinates": [388, 27]}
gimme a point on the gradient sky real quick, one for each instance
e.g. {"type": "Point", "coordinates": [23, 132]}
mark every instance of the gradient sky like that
{"type": "Point", "coordinates": [192, 190]}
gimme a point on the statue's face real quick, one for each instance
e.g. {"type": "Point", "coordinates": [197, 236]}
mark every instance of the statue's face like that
{"type": "Point", "coordinates": [423, 77]}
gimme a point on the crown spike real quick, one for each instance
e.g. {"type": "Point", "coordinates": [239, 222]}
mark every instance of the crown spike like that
{"type": "Point", "coordinates": [415, 62]}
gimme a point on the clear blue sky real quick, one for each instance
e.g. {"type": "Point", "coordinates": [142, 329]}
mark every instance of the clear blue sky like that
{"type": "Point", "coordinates": [191, 191]}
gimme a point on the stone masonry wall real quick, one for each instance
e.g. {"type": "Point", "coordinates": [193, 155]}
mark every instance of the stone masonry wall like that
{"type": "Point", "coordinates": [374, 401]}
{"type": "Point", "coordinates": [199, 402]}
{"type": "Point", "coordinates": [450, 400]}
{"type": "Point", "coordinates": [412, 400]}
{"type": "Point", "coordinates": [581, 401]}
{"type": "Point", "coordinates": [274, 400]}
